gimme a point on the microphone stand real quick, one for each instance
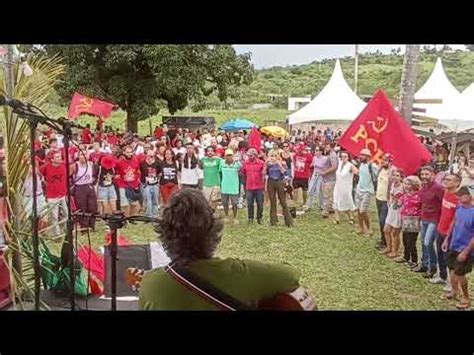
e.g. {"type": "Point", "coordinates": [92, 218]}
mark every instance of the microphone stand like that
{"type": "Point", "coordinates": [25, 111]}
{"type": "Point", "coordinates": [115, 221]}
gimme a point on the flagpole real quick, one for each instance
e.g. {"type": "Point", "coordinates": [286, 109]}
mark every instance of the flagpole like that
{"type": "Point", "coordinates": [356, 67]}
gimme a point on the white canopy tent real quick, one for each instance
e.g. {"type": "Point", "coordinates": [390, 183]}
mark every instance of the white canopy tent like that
{"type": "Point", "coordinates": [438, 86]}
{"type": "Point", "coordinates": [335, 102]}
{"type": "Point", "coordinates": [467, 97]}
{"type": "Point", "coordinates": [454, 111]}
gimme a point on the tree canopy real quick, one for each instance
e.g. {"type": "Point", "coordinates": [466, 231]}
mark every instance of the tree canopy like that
{"type": "Point", "coordinates": [139, 77]}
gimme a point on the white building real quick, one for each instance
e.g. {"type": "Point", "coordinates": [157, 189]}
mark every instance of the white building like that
{"type": "Point", "coordinates": [295, 103]}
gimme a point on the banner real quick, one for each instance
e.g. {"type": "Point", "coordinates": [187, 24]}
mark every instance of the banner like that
{"type": "Point", "coordinates": [82, 104]}
{"type": "Point", "coordinates": [381, 129]}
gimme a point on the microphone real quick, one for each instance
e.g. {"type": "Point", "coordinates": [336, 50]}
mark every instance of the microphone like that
{"type": "Point", "coordinates": [5, 101]}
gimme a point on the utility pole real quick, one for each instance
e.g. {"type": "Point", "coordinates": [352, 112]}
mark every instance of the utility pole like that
{"type": "Point", "coordinates": [356, 67]}
{"type": "Point", "coordinates": [9, 77]}
{"type": "Point", "coordinates": [408, 84]}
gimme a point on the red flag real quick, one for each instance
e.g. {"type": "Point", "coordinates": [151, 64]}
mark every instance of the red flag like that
{"type": "Point", "coordinates": [82, 104]}
{"type": "Point", "coordinates": [381, 129]}
{"type": "Point", "coordinates": [255, 140]}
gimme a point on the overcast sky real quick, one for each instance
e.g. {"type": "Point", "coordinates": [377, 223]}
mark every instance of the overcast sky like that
{"type": "Point", "coordinates": [265, 56]}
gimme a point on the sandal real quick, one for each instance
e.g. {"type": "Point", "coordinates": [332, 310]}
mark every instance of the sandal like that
{"type": "Point", "coordinates": [464, 306]}
{"type": "Point", "coordinates": [448, 297]}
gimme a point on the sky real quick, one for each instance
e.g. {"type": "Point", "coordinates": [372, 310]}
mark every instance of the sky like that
{"type": "Point", "coordinates": [265, 56]}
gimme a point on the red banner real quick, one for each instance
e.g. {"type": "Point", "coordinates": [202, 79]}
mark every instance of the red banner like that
{"type": "Point", "coordinates": [381, 129]}
{"type": "Point", "coordinates": [82, 104]}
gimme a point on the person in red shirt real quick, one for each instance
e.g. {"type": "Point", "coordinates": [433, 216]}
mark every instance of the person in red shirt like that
{"type": "Point", "coordinates": [450, 201]}
{"type": "Point", "coordinates": [253, 171]}
{"type": "Point", "coordinates": [159, 132]}
{"type": "Point", "coordinates": [96, 153]}
{"type": "Point", "coordinates": [302, 171]}
{"type": "Point", "coordinates": [86, 136]}
{"type": "Point", "coordinates": [53, 148]}
{"type": "Point", "coordinates": [431, 200]}
{"type": "Point", "coordinates": [128, 177]}
{"type": "Point", "coordinates": [73, 153]}
{"type": "Point", "coordinates": [55, 175]}
{"type": "Point", "coordinates": [112, 139]}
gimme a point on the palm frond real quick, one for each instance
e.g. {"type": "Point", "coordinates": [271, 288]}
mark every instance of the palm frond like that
{"type": "Point", "coordinates": [35, 90]}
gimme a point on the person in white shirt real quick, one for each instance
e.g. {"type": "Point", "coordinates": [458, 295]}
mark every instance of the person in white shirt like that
{"type": "Point", "coordinates": [189, 168]}
{"type": "Point", "coordinates": [179, 149]}
{"type": "Point", "coordinates": [206, 139]}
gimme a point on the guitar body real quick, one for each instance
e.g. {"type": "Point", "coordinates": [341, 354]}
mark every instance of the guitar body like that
{"type": "Point", "coordinates": [297, 300]}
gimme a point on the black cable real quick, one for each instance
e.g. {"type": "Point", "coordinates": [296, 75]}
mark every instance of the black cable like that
{"type": "Point", "coordinates": [89, 268]}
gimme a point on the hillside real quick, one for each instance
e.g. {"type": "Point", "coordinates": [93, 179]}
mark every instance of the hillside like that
{"type": "Point", "coordinates": [375, 71]}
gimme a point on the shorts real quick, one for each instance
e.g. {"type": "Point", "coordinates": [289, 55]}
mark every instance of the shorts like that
{"type": "Point", "coordinates": [41, 205]}
{"type": "Point", "coordinates": [124, 201]}
{"type": "Point", "coordinates": [212, 193]}
{"type": "Point", "coordinates": [303, 183]}
{"type": "Point", "coordinates": [228, 197]}
{"type": "Point", "coordinates": [106, 193]}
{"type": "Point", "coordinates": [362, 201]}
{"type": "Point", "coordinates": [393, 218]}
{"type": "Point", "coordinates": [459, 268]}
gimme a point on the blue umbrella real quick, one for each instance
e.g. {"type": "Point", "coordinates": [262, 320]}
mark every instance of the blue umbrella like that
{"type": "Point", "coordinates": [237, 124]}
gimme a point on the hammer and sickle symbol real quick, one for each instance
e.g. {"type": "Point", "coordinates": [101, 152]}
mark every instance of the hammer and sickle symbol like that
{"type": "Point", "coordinates": [380, 125]}
{"type": "Point", "coordinates": [85, 104]}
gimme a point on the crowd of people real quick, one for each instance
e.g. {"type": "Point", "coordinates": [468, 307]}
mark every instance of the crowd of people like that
{"type": "Point", "coordinates": [306, 170]}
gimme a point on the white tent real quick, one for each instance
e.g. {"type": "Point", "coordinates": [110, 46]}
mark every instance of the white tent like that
{"type": "Point", "coordinates": [335, 102]}
{"type": "Point", "coordinates": [438, 86]}
{"type": "Point", "coordinates": [465, 108]}
{"type": "Point", "coordinates": [467, 97]}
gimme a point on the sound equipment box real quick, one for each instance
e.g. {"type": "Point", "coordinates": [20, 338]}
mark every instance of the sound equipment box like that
{"type": "Point", "coordinates": [138, 256]}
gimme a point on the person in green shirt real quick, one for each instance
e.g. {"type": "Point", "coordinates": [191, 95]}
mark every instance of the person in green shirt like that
{"type": "Point", "coordinates": [211, 182]}
{"type": "Point", "coordinates": [230, 184]}
{"type": "Point", "coordinates": [190, 234]}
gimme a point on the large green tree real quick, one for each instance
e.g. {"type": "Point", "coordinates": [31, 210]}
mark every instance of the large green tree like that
{"type": "Point", "coordinates": [139, 77]}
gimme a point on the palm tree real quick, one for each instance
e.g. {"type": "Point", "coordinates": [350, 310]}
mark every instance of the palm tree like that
{"type": "Point", "coordinates": [33, 89]}
{"type": "Point", "coordinates": [408, 84]}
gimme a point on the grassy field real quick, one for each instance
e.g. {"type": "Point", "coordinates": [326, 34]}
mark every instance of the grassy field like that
{"type": "Point", "coordinates": [341, 269]}
{"type": "Point", "coordinates": [117, 119]}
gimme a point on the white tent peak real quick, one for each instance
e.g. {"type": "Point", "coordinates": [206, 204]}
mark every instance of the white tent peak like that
{"type": "Point", "coordinates": [438, 86]}
{"type": "Point", "coordinates": [335, 102]}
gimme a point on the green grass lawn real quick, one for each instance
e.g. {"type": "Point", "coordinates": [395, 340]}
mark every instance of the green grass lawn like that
{"type": "Point", "coordinates": [341, 269]}
{"type": "Point", "coordinates": [118, 118]}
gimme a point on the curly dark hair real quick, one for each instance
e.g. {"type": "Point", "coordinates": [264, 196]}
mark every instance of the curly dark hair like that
{"type": "Point", "coordinates": [188, 228]}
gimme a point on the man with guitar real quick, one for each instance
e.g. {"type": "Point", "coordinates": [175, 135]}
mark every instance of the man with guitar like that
{"type": "Point", "coordinates": [196, 280]}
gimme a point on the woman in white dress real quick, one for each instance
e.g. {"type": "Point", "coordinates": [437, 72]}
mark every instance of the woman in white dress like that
{"type": "Point", "coordinates": [343, 201]}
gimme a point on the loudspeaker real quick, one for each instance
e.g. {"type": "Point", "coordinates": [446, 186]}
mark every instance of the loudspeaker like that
{"type": "Point", "coordinates": [135, 256]}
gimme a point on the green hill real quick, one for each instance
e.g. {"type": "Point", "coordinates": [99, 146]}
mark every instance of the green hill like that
{"type": "Point", "coordinates": [375, 71]}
